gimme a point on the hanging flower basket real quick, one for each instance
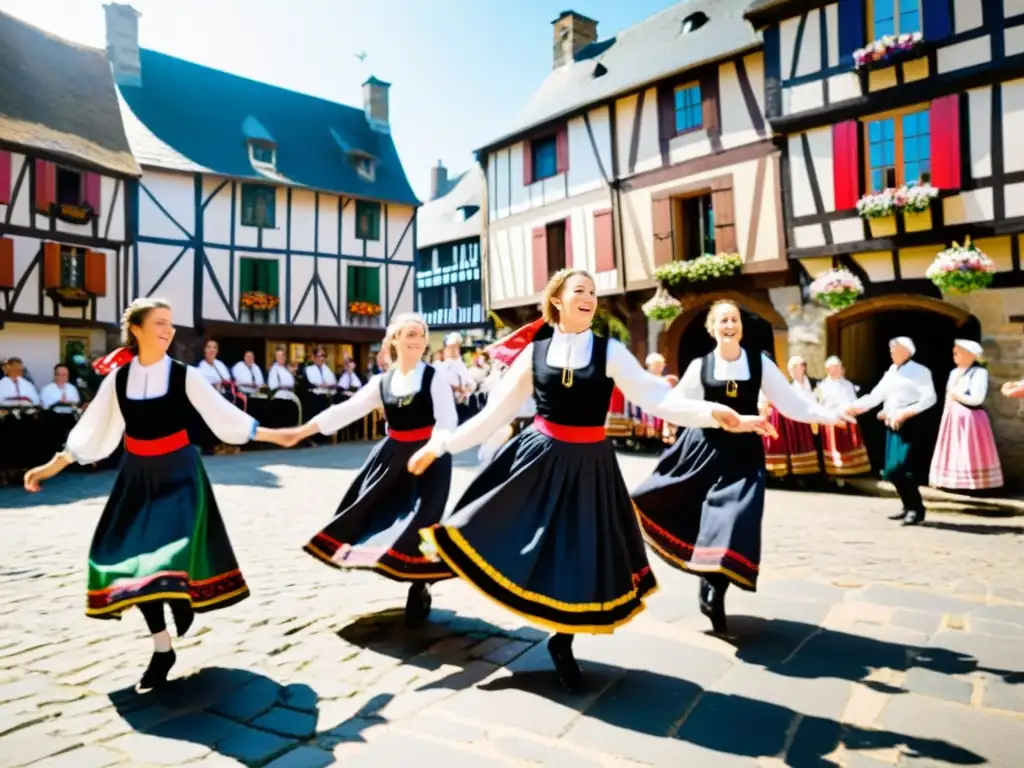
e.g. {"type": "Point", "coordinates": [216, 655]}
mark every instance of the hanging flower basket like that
{"type": "Point", "coordinates": [663, 306]}
{"type": "Point", "coordinates": [961, 269]}
{"type": "Point", "coordinates": [913, 199]}
{"type": "Point", "coordinates": [707, 267]}
{"type": "Point", "coordinates": [364, 308]}
{"type": "Point", "coordinates": [837, 289]}
{"type": "Point", "coordinates": [259, 301]}
{"type": "Point", "coordinates": [885, 48]}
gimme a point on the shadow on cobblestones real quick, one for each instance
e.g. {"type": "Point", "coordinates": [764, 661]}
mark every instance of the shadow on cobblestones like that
{"type": "Point", "coordinates": [975, 529]}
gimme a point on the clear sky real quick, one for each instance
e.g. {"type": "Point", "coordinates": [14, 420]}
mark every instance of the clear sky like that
{"type": "Point", "coordinates": [460, 69]}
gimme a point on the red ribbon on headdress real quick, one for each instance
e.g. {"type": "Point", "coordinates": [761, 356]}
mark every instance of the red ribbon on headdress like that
{"type": "Point", "coordinates": [112, 361]}
{"type": "Point", "coordinates": [507, 349]}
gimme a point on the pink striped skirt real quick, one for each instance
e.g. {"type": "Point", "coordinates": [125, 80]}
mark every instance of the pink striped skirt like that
{"type": "Point", "coordinates": [965, 455]}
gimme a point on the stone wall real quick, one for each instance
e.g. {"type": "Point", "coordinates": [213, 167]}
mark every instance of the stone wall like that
{"type": "Point", "coordinates": [808, 337]}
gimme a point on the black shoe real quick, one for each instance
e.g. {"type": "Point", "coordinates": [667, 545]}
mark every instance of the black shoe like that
{"type": "Point", "coordinates": [913, 518]}
{"type": "Point", "coordinates": [417, 605]}
{"type": "Point", "coordinates": [183, 615]}
{"type": "Point", "coordinates": [899, 515]}
{"type": "Point", "coordinates": [156, 673]}
{"type": "Point", "coordinates": [712, 605]}
{"type": "Point", "coordinates": [569, 672]}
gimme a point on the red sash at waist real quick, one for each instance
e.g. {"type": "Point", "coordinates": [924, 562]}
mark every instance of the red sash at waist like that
{"type": "Point", "coordinates": [157, 447]}
{"type": "Point", "coordinates": [410, 435]}
{"type": "Point", "coordinates": [567, 434]}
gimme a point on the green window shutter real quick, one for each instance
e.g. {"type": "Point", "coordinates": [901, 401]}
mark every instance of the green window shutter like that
{"type": "Point", "coordinates": [270, 198]}
{"type": "Point", "coordinates": [372, 284]}
{"type": "Point", "coordinates": [273, 267]}
{"type": "Point", "coordinates": [246, 275]}
{"type": "Point", "coordinates": [350, 283]}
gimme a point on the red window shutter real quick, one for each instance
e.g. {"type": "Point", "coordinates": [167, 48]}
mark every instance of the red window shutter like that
{"type": "Point", "coordinates": [604, 252]}
{"type": "Point", "coordinates": [661, 214]}
{"type": "Point", "coordinates": [527, 163]}
{"type": "Point", "coordinates": [51, 265]}
{"type": "Point", "coordinates": [846, 164]}
{"type": "Point", "coordinates": [96, 272]}
{"type": "Point", "coordinates": [5, 176]}
{"type": "Point", "coordinates": [6, 262]}
{"type": "Point", "coordinates": [91, 191]}
{"type": "Point", "coordinates": [562, 149]}
{"type": "Point", "coordinates": [945, 127]}
{"type": "Point", "coordinates": [568, 242]}
{"type": "Point", "coordinates": [540, 258]}
{"type": "Point", "coordinates": [46, 185]}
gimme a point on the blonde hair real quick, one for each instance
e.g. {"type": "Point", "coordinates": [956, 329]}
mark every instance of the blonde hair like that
{"type": "Point", "coordinates": [136, 314]}
{"type": "Point", "coordinates": [709, 322]}
{"type": "Point", "coordinates": [395, 328]}
{"type": "Point", "coordinates": [653, 358]}
{"type": "Point", "coordinates": [554, 289]}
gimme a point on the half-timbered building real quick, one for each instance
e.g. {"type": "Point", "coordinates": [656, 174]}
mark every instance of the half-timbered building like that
{"type": "Point", "coordinates": [644, 148]}
{"type": "Point", "coordinates": [268, 217]}
{"type": "Point", "coordinates": [940, 111]}
{"type": "Point", "coordinates": [66, 174]}
{"type": "Point", "coordinates": [448, 267]}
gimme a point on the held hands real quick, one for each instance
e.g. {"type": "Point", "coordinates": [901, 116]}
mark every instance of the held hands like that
{"type": "Point", "coordinates": [896, 421]}
{"type": "Point", "coordinates": [421, 460]}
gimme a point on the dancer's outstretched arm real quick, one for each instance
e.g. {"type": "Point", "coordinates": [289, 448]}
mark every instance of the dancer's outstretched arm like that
{"type": "Point", "coordinates": [791, 403]}
{"type": "Point", "coordinates": [337, 417]}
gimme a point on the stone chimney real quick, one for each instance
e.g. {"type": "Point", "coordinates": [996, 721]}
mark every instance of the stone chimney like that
{"type": "Point", "coordinates": [573, 32]}
{"type": "Point", "coordinates": [375, 104]}
{"type": "Point", "coordinates": [438, 181]}
{"type": "Point", "coordinates": [123, 43]}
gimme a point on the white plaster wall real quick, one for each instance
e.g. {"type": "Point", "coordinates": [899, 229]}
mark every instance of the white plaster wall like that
{"type": "Point", "coordinates": [980, 111]}
{"type": "Point", "coordinates": [38, 346]}
{"type": "Point", "coordinates": [966, 54]}
{"type": "Point", "coordinates": [1013, 125]}
{"type": "Point", "coordinates": [177, 285]}
{"type": "Point", "coordinates": [19, 210]}
{"type": "Point", "coordinates": [966, 15]}
{"type": "Point", "coordinates": [176, 193]}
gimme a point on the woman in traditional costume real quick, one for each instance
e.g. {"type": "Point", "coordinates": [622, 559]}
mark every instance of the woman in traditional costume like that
{"type": "Point", "coordinates": [701, 510]}
{"type": "Point", "coordinates": [965, 455]}
{"type": "Point", "coordinates": [160, 539]}
{"type": "Point", "coordinates": [802, 439]}
{"type": "Point", "coordinates": [547, 529]}
{"type": "Point", "coordinates": [376, 526]}
{"type": "Point", "coordinates": [842, 444]}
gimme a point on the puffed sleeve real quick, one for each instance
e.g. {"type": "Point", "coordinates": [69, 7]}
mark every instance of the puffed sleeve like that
{"type": "Point", "coordinates": [977, 389]}
{"type": "Point", "coordinates": [446, 418]}
{"type": "Point", "coordinates": [98, 433]}
{"type": "Point", "coordinates": [503, 403]}
{"type": "Point", "coordinates": [340, 415]}
{"type": "Point", "coordinates": [790, 403]}
{"type": "Point", "coordinates": [232, 425]}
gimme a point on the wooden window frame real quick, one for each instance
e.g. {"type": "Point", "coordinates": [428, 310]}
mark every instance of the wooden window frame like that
{"type": "Point", "coordinates": [374, 230]}
{"type": "Point", "coordinates": [679, 223]}
{"type": "Point", "coordinates": [689, 85]}
{"type": "Point", "coordinates": [897, 117]}
{"type": "Point", "coordinates": [256, 145]}
{"type": "Point", "coordinates": [272, 210]}
{"type": "Point", "coordinates": [869, 10]}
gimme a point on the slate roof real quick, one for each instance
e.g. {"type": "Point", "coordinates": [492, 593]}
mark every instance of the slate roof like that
{"type": "Point", "coordinates": [58, 98]}
{"type": "Point", "coordinates": [442, 220]}
{"type": "Point", "coordinates": [187, 117]}
{"type": "Point", "coordinates": [645, 53]}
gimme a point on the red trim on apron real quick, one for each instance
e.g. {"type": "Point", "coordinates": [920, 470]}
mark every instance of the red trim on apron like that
{"type": "Point", "coordinates": [410, 435]}
{"type": "Point", "coordinates": [157, 447]}
{"type": "Point", "coordinates": [568, 434]}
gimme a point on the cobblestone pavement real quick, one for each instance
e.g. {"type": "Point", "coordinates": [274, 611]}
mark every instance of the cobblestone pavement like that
{"type": "Point", "coordinates": [868, 645]}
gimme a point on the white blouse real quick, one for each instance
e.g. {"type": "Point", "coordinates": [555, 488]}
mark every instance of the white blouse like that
{"type": "Point", "coordinates": [837, 393]}
{"type": "Point", "coordinates": [969, 386]}
{"type": "Point", "coordinates": [249, 379]}
{"type": "Point", "coordinates": [280, 378]}
{"type": "Point", "coordinates": [368, 399]}
{"type": "Point", "coordinates": [572, 351]}
{"type": "Point", "coordinates": [18, 391]}
{"type": "Point", "coordinates": [320, 376]}
{"type": "Point", "coordinates": [101, 427]}
{"type": "Point", "coordinates": [774, 388]}
{"type": "Point", "coordinates": [907, 387]}
{"type": "Point", "coordinates": [216, 374]}
{"type": "Point", "coordinates": [52, 394]}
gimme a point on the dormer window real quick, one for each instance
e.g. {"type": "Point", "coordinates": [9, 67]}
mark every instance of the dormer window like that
{"type": "Point", "coordinates": [263, 155]}
{"type": "Point", "coordinates": [468, 211]}
{"type": "Point", "coordinates": [366, 168]}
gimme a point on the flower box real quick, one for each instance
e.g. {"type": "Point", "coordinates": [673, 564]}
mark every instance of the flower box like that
{"type": "Point", "coordinates": [836, 289]}
{"type": "Point", "coordinates": [961, 269]}
{"type": "Point", "coordinates": [916, 198]}
{"type": "Point", "coordinates": [704, 268]}
{"type": "Point", "coordinates": [917, 221]}
{"type": "Point", "coordinates": [258, 301]}
{"type": "Point", "coordinates": [882, 226]}
{"type": "Point", "coordinates": [364, 308]}
{"type": "Point", "coordinates": [888, 50]}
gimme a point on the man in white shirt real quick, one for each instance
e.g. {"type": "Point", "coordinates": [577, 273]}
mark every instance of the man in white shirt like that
{"type": "Point", "coordinates": [905, 391]}
{"type": "Point", "coordinates": [16, 389]}
{"type": "Point", "coordinates": [60, 390]}
{"type": "Point", "coordinates": [458, 374]}
{"type": "Point", "coordinates": [247, 374]}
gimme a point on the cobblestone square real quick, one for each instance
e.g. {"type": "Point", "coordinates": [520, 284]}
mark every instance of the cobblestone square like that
{"type": "Point", "coordinates": [868, 644]}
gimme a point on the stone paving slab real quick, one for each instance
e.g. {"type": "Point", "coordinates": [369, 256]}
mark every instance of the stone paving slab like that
{"type": "Point", "coordinates": [867, 645]}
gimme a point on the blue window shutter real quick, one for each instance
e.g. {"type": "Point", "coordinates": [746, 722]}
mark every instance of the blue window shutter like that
{"type": "Point", "coordinates": [937, 21]}
{"type": "Point", "coordinates": [852, 34]}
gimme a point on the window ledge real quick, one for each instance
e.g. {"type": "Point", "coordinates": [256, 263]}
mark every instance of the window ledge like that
{"type": "Point", "coordinates": [894, 59]}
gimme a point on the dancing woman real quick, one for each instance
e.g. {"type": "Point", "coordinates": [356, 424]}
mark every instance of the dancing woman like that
{"type": "Point", "coordinates": [547, 528]}
{"type": "Point", "coordinates": [377, 524]}
{"type": "Point", "coordinates": [701, 510]}
{"type": "Point", "coordinates": [161, 539]}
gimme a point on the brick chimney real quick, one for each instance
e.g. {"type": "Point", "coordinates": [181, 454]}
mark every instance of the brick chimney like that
{"type": "Point", "coordinates": [438, 181]}
{"type": "Point", "coordinates": [123, 43]}
{"type": "Point", "coordinates": [573, 32]}
{"type": "Point", "coordinates": [375, 104]}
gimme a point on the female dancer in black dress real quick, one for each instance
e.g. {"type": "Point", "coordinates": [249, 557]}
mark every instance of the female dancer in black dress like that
{"type": "Point", "coordinates": [547, 529]}
{"type": "Point", "coordinates": [161, 538]}
{"type": "Point", "coordinates": [701, 509]}
{"type": "Point", "coordinates": [377, 524]}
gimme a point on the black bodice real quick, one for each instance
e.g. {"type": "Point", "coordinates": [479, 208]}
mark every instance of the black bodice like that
{"type": "Point", "coordinates": [412, 411]}
{"type": "Point", "coordinates": [745, 400]}
{"type": "Point", "coordinates": [585, 403]}
{"type": "Point", "coordinates": [160, 416]}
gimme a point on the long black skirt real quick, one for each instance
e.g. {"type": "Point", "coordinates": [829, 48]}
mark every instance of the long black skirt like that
{"type": "Point", "coordinates": [701, 510]}
{"type": "Point", "coordinates": [548, 531]}
{"type": "Point", "coordinates": [378, 521]}
{"type": "Point", "coordinates": [161, 537]}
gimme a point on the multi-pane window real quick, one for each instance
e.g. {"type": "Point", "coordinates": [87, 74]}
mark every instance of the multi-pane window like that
{"type": "Point", "coordinates": [367, 220]}
{"type": "Point", "coordinates": [263, 154]}
{"type": "Point", "coordinates": [896, 17]}
{"type": "Point", "coordinates": [899, 151]}
{"type": "Point", "coordinates": [688, 110]}
{"type": "Point", "coordinates": [72, 267]}
{"type": "Point", "coordinates": [545, 158]}
{"type": "Point", "coordinates": [259, 204]}
{"type": "Point", "coordinates": [698, 227]}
